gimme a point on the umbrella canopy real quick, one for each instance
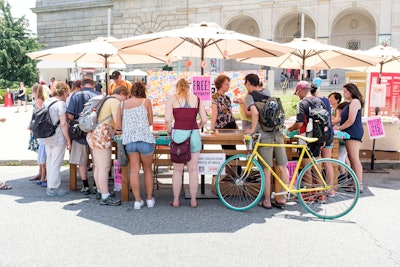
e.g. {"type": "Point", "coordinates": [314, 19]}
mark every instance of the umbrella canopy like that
{"type": "Point", "coordinates": [311, 54]}
{"type": "Point", "coordinates": [99, 50]}
{"type": "Point", "coordinates": [203, 40]}
{"type": "Point", "coordinates": [389, 60]}
{"type": "Point", "coordinates": [136, 72]}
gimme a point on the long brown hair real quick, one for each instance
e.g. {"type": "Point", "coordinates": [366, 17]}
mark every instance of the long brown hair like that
{"type": "Point", "coordinates": [355, 93]}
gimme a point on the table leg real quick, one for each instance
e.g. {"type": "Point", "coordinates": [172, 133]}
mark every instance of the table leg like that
{"type": "Point", "coordinates": [72, 176]}
{"type": "Point", "coordinates": [125, 183]}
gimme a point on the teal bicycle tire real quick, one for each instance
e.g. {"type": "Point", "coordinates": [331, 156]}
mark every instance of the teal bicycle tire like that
{"type": "Point", "coordinates": [238, 193]}
{"type": "Point", "coordinates": [325, 204]}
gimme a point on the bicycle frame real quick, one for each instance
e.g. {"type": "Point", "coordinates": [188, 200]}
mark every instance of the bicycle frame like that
{"type": "Point", "coordinates": [288, 189]}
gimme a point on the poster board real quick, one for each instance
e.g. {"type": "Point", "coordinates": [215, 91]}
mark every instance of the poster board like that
{"type": "Point", "coordinates": [375, 127]}
{"type": "Point", "coordinates": [209, 163]}
{"type": "Point", "coordinates": [391, 95]}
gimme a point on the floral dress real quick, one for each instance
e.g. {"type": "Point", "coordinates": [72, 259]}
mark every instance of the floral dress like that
{"type": "Point", "coordinates": [225, 117]}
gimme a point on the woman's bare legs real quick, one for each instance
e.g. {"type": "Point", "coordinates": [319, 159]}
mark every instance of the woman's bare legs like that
{"type": "Point", "coordinates": [134, 167]}
{"type": "Point", "coordinates": [193, 178]}
{"type": "Point", "coordinates": [102, 164]}
{"type": "Point", "coordinates": [353, 150]}
{"type": "Point", "coordinates": [147, 162]}
{"type": "Point", "coordinates": [177, 183]}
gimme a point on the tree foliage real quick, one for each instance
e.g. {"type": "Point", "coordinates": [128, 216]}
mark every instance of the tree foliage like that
{"type": "Point", "coordinates": [15, 41]}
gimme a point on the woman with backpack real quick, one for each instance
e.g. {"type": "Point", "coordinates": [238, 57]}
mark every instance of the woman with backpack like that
{"type": "Point", "coordinates": [100, 141]}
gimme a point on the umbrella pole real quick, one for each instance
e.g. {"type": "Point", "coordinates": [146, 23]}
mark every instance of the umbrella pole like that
{"type": "Point", "coordinates": [107, 74]}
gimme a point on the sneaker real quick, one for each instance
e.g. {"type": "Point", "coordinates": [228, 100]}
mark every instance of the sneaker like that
{"type": "Point", "coordinates": [138, 205]}
{"type": "Point", "coordinates": [43, 184]}
{"type": "Point", "coordinates": [85, 190]}
{"type": "Point", "coordinates": [150, 202]}
{"type": "Point", "coordinates": [98, 194]}
{"type": "Point", "coordinates": [55, 192]}
{"type": "Point", "coordinates": [38, 182]}
{"type": "Point", "coordinates": [94, 190]}
{"type": "Point", "coordinates": [110, 201]}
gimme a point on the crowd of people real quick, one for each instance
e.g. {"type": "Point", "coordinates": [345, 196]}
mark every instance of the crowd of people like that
{"type": "Point", "coordinates": [128, 112]}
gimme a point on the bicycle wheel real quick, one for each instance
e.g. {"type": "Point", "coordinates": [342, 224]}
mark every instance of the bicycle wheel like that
{"type": "Point", "coordinates": [331, 203]}
{"type": "Point", "coordinates": [236, 189]}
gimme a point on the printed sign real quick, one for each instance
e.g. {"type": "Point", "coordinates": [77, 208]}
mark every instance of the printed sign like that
{"type": "Point", "coordinates": [201, 87]}
{"type": "Point", "coordinates": [209, 163]}
{"type": "Point", "coordinates": [378, 95]}
{"type": "Point", "coordinates": [291, 166]}
{"type": "Point", "coordinates": [375, 127]}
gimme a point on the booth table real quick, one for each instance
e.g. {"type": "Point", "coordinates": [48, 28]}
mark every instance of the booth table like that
{"type": "Point", "coordinates": [221, 137]}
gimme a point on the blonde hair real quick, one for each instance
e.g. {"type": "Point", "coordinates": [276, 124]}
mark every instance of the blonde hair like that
{"type": "Point", "coordinates": [182, 88]}
{"type": "Point", "coordinates": [60, 88]}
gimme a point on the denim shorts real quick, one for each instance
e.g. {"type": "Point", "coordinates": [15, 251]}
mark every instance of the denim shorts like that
{"type": "Point", "coordinates": [143, 148]}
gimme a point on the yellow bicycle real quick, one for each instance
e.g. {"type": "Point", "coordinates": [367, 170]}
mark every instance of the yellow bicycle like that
{"type": "Point", "coordinates": [326, 188]}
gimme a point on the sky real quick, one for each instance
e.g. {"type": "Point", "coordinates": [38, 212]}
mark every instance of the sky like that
{"type": "Point", "coordinates": [22, 7]}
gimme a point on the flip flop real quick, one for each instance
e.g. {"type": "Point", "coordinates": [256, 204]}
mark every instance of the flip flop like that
{"type": "Point", "coordinates": [278, 205]}
{"type": "Point", "coordinates": [261, 204]}
{"type": "Point", "coordinates": [3, 186]}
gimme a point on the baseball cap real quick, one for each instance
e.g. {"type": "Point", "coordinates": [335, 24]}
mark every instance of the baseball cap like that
{"type": "Point", "coordinates": [42, 82]}
{"type": "Point", "coordinates": [302, 85]}
{"type": "Point", "coordinates": [115, 75]}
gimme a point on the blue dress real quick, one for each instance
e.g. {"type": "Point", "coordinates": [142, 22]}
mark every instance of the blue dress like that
{"type": "Point", "coordinates": [356, 131]}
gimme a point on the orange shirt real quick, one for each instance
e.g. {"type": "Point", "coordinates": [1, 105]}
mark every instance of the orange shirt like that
{"type": "Point", "coordinates": [115, 85]}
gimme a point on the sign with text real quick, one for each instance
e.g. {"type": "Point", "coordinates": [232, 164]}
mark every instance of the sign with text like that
{"type": "Point", "coordinates": [377, 95]}
{"type": "Point", "coordinates": [209, 163]}
{"type": "Point", "coordinates": [202, 87]}
{"type": "Point", "coordinates": [375, 127]}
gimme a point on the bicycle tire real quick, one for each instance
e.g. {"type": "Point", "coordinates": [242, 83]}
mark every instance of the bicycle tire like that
{"type": "Point", "coordinates": [236, 192]}
{"type": "Point", "coordinates": [324, 204]}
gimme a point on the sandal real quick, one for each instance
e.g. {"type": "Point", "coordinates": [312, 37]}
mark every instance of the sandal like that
{"type": "Point", "coordinates": [172, 204]}
{"type": "Point", "coordinates": [3, 186]}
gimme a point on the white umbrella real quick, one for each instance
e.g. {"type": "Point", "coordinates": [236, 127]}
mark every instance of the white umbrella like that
{"type": "Point", "coordinates": [99, 50]}
{"type": "Point", "coordinates": [136, 72]}
{"type": "Point", "coordinates": [203, 40]}
{"type": "Point", "coordinates": [389, 60]}
{"type": "Point", "coordinates": [311, 54]}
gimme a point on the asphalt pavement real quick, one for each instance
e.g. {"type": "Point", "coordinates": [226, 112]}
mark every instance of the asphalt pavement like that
{"type": "Point", "coordinates": [75, 230]}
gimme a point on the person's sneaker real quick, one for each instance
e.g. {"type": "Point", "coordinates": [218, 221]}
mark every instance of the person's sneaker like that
{"type": "Point", "coordinates": [110, 201]}
{"type": "Point", "coordinates": [55, 192]}
{"type": "Point", "coordinates": [98, 194]}
{"type": "Point", "coordinates": [43, 184]}
{"type": "Point", "coordinates": [85, 190]}
{"type": "Point", "coordinates": [138, 205]}
{"type": "Point", "coordinates": [150, 202]}
{"type": "Point", "coordinates": [94, 190]}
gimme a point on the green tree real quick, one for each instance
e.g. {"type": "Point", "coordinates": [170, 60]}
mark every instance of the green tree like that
{"type": "Point", "coordinates": [15, 41]}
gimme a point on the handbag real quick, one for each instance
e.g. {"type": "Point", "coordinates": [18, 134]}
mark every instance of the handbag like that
{"type": "Point", "coordinates": [180, 153]}
{"type": "Point", "coordinates": [75, 133]}
{"type": "Point", "coordinates": [121, 153]}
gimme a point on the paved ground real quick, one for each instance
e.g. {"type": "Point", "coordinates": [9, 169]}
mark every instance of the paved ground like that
{"type": "Point", "coordinates": [75, 230]}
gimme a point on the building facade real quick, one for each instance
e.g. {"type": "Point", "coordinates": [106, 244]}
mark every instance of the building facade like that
{"type": "Point", "coordinates": [360, 24]}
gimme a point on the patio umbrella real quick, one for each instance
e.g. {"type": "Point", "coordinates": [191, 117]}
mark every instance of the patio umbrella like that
{"type": "Point", "coordinates": [99, 50]}
{"type": "Point", "coordinates": [136, 72]}
{"type": "Point", "coordinates": [311, 54]}
{"type": "Point", "coordinates": [203, 40]}
{"type": "Point", "coordinates": [389, 60]}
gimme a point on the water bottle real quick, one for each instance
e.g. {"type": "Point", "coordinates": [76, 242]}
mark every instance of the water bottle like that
{"type": "Point", "coordinates": [309, 128]}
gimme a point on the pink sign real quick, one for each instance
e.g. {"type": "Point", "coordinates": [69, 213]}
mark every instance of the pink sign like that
{"type": "Point", "coordinates": [375, 127]}
{"type": "Point", "coordinates": [291, 166]}
{"type": "Point", "coordinates": [202, 87]}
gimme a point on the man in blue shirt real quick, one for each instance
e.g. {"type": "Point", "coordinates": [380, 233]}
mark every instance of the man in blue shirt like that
{"type": "Point", "coordinates": [80, 147]}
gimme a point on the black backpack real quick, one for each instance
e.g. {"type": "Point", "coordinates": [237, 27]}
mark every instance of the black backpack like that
{"type": "Point", "coordinates": [271, 113]}
{"type": "Point", "coordinates": [320, 121]}
{"type": "Point", "coordinates": [41, 124]}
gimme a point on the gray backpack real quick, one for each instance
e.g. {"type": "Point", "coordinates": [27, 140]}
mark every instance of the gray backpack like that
{"type": "Point", "coordinates": [87, 120]}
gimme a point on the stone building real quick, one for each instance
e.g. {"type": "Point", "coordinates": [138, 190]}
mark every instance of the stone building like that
{"type": "Point", "coordinates": [358, 24]}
